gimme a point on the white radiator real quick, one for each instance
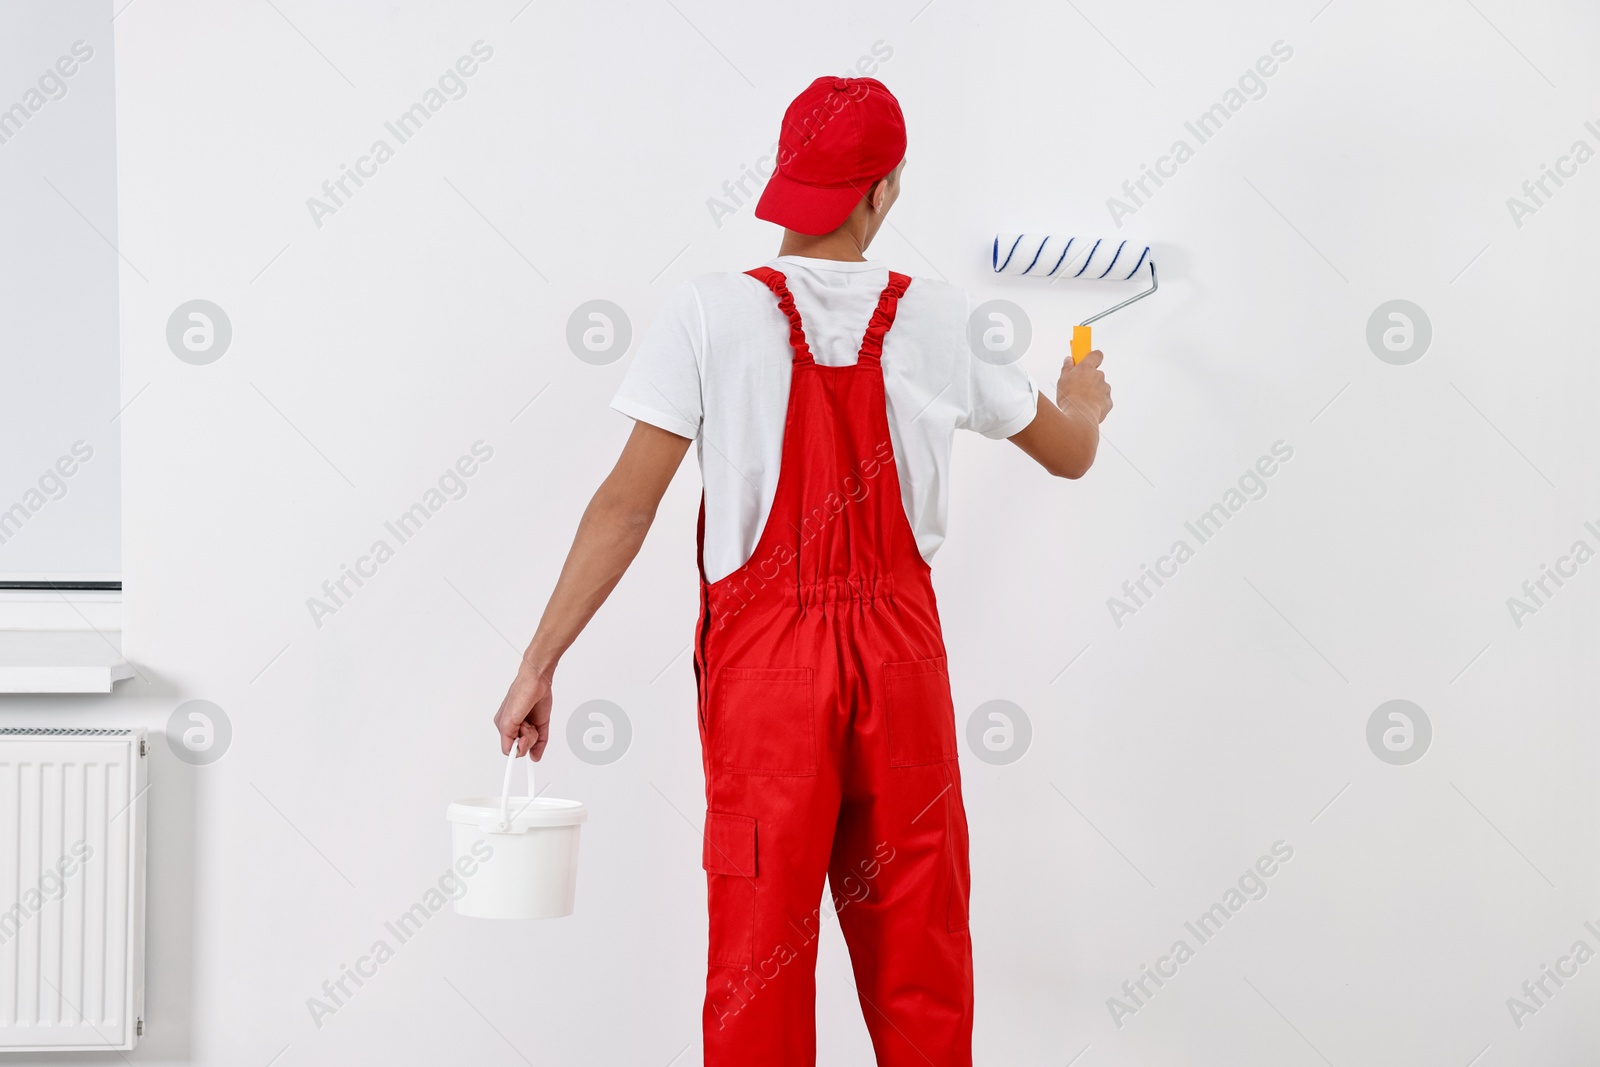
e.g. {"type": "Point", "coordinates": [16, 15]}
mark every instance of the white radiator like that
{"type": "Point", "coordinates": [72, 875]}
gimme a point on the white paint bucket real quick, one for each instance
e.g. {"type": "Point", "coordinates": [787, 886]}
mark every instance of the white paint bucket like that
{"type": "Point", "coordinates": [517, 856]}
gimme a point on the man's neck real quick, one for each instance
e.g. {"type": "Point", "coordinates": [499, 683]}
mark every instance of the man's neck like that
{"type": "Point", "coordinates": [842, 244]}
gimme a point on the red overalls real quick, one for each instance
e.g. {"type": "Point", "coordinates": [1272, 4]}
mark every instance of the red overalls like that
{"type": "Point", "coordinates": [829, 743]}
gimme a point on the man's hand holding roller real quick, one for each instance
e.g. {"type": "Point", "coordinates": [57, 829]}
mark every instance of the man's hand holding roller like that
{"type": "Point", "coordinates": [1064, 436]}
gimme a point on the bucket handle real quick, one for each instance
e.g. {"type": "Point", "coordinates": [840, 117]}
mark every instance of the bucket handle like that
{"type": "Point", "coordinates": [505, 789]}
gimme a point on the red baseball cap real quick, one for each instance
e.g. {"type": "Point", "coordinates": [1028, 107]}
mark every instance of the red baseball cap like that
{"type": "Point", "coordinates": [839, 136]}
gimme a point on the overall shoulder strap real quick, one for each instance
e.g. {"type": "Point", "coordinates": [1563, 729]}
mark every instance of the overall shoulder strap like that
{"type": "Point", "coordinates": [882, 319]}
{"type": "Point", "coordinates": [775, 281]}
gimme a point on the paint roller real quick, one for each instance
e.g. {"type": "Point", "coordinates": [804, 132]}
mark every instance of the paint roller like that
{"type": "Point", "coordinates": [1049, 256]}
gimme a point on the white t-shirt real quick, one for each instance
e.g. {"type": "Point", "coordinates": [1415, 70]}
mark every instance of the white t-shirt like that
{"type": "Point", "coordinates": [715, 367]}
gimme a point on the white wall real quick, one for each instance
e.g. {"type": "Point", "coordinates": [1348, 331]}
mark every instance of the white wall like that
{"type": "Point", "coordinates": [1229, 713]}
{"type": "Point", "coordinates": [58, 293]}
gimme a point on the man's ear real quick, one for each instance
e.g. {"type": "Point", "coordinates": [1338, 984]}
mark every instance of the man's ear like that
{"type": "Point", "coordinates": [877, 194]}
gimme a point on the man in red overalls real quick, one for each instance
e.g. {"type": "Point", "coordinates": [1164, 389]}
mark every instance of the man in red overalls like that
{"type": "Point", "coordinates": [825, 714]}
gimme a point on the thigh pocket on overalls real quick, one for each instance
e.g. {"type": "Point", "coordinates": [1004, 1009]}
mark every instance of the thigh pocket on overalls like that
{"type": "Point", "coordinates": [960, 870]}
{"type": "Point", "coordinates": [920, 715]}
{"type": "Point", "coordinates": [763, 721]}
{"type": "Point", "coordinates": [729, 857]}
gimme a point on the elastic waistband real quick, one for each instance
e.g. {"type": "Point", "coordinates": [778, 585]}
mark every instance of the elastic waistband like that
{"type": "Point", "coordinates": [831, 589]}
{"type": "Point", "coordinates": [727, 602]}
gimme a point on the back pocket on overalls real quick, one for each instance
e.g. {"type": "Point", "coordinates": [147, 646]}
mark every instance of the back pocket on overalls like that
{"type": "Point", "coordinates": [920, 714]}
{"type": "Point", "coordinates": [763, 721]}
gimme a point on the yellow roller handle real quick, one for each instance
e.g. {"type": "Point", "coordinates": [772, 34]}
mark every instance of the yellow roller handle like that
{"type": "Point", "coordinates": [1081, 342]}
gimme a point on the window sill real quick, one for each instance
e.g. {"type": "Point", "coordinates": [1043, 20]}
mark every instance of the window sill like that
{"type": "Point", "coordinates": [54, 642]}
{"type": "Point", "coordinates": [61, 661]}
